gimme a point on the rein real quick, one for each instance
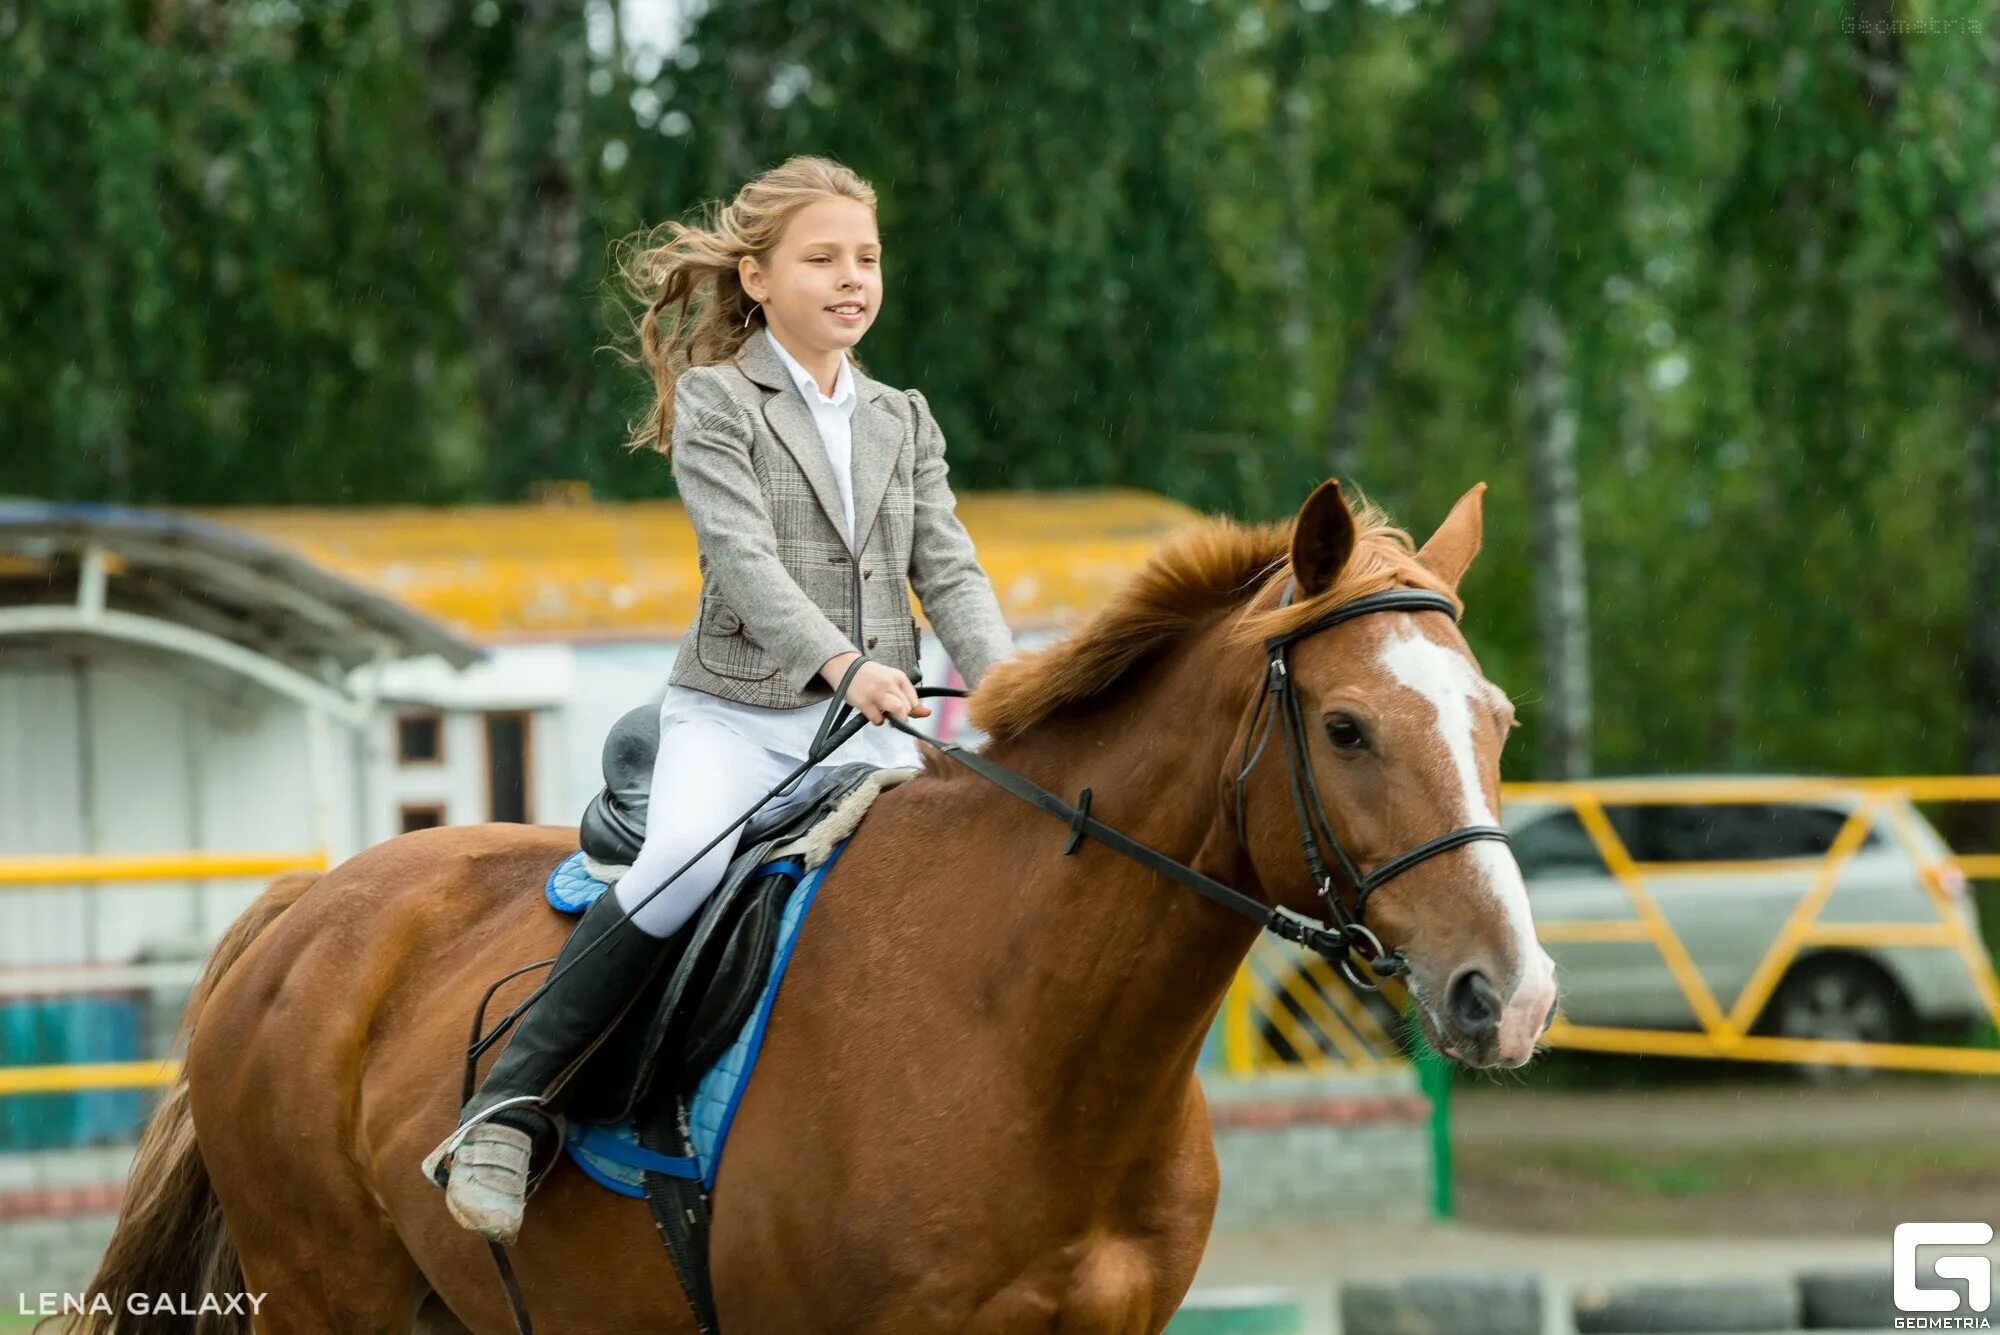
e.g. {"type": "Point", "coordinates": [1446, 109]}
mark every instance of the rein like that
{"type": "Point", "coordinates": [1341, 936]}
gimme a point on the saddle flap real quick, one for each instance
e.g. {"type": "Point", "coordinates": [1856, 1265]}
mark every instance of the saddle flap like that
{"type": "Point", "coordinates": [742, 963]}
{"type": "Point", "coordinates": [693, 1010]}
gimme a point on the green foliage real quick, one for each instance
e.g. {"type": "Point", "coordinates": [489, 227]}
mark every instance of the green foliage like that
{"type": "Point", "coordinates": [344, 251]}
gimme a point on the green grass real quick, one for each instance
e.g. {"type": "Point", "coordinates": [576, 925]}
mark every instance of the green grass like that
{"type": "Point", "coordinates": [1250, 1317]}
{"type": "Point", "coordinates": [1777, 1171]}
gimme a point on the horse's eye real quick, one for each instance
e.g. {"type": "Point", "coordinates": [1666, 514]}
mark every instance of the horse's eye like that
{"type": "Point", "coordinates": [1345, 734]}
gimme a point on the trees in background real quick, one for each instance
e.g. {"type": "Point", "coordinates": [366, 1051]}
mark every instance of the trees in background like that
{"type": "Point", "coordinates": [1707, 293]}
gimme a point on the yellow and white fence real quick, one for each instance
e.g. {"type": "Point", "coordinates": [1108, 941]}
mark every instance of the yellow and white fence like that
{"type": "Point", "coordinates": [1288, 1007]}
{"type": "Point", "coordinates": [94, 871]}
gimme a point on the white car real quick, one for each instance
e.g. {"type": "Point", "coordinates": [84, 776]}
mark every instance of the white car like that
{"type": "Point", "coordinates": [1728, 917]}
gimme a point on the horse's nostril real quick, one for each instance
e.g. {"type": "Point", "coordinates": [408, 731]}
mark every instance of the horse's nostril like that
{"type": "Point", "coordinates": [1549, 1019]}
{"type": "Point", "coordinates": [1475, 1007]}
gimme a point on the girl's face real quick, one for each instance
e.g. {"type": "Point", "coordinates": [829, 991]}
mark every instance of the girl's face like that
{"type": "Point", "coordinates": [822, 284]}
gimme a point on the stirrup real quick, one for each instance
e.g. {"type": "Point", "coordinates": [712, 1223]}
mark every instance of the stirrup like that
{"type": "Point", "coordinates": [488, 1190]}
{"type": "Point", "coordinates": [437, 1164]}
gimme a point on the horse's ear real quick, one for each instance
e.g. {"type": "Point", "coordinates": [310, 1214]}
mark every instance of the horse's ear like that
{"type": "Point", "coordinates": [1451, 549]}
{"type": "Point", "coordinates": [1322, 539]}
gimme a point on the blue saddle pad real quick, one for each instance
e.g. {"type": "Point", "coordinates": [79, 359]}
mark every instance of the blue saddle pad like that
{"type": "Point", "coordinates": [610, 1153]}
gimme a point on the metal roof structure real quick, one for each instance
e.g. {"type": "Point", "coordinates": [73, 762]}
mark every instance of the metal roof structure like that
{"type": "Point", "coordinates": [186, 585]}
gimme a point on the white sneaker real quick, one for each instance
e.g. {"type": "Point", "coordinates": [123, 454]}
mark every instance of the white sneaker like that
{"type": "Point", "coordinates": [488, 1189]}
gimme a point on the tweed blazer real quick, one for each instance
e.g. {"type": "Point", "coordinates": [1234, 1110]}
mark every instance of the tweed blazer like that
{"type": "Point", "coordinates": [784, 586]}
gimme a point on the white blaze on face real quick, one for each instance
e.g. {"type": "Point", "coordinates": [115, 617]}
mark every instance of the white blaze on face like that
{"type": "Point", "coordinates": [1447, 679]}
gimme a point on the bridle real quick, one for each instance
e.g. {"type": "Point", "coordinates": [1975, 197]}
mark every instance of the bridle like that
{"type": "Point", "coordinates": [1341, 936]}
{"type": "Point", "coordinates": [1349, 934]}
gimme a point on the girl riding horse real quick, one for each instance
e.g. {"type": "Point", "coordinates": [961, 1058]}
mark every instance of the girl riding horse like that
{"type": "Point", "coordinates": [818, 497]}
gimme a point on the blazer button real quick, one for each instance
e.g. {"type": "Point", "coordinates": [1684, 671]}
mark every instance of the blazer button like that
{"type": "Point", "coordinates": [867, 574]}
{"type": "Point", "coordinates": [871, 641]}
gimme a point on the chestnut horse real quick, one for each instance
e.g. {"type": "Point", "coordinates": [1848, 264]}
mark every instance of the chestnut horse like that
{"type": "Point", "coordinates": [976, 1107]}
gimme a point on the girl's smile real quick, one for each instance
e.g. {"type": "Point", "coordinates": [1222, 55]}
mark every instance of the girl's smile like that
{"type": "Point", "coordinates": [821, 285]}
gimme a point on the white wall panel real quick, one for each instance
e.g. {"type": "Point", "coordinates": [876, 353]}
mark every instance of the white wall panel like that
{"type": "Point", "coordinates": [128, 754]}
{"type": "Point", "coordinates": [41, 805]}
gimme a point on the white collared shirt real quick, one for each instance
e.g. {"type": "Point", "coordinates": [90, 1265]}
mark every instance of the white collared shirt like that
{"type": "Point", "coordinates": [835, 419]}
{"type": "Point", "coordinates": [791, 731]}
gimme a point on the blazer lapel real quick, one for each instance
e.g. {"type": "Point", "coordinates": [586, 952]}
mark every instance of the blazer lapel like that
{"type": "Point", "coordinates": [878, 442]}
{"type": "Point", "coordinates": [792, 422]}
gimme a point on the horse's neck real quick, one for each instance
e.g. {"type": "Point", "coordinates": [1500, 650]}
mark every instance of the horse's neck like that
{"type": "Point", "coordinates": [1109, 973]}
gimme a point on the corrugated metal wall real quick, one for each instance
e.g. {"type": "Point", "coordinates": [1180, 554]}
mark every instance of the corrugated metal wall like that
{"type": "Point", "coordinates": [125, 754]}
{"type": "Point", "coordinates": [42, 803]}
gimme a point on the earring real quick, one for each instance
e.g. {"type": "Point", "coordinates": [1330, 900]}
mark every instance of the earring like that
{"type": "Point", "coordinates": [746, 318]}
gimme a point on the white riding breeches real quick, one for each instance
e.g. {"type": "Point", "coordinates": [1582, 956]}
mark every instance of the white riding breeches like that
{"type": "Point", "coordinates": [704, 777]}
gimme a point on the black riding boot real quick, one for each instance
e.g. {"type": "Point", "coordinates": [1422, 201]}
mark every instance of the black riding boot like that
{"type": "Point", "coordinates": [489, 1160]}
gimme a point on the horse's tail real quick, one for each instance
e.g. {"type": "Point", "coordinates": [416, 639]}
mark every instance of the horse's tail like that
{"type": "Point", "coordinates": [170, 1236]}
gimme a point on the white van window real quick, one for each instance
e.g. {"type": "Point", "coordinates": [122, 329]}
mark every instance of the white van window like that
{"type": "Point", "coordinates": [1557, 843]}
{"type": "Point", "coordinates": [1730, 831]}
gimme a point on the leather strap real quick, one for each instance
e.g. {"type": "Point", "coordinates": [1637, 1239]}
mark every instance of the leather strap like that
{"type": "Point", "coordinates": [1280, 921]}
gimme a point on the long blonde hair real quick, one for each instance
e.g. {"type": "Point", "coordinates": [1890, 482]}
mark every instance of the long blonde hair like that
{"type": "Point", "coordinates": [690, 270]}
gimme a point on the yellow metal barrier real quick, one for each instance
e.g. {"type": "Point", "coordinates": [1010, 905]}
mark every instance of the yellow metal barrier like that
{"type": "Point", "coordinates": [1255, 1012]}
{"type": "Point", "coordinates": [72, 1076]}
{"type": "Point", "coordinates": [1283, 995]}
{"type": "Point", "coordinates": [1727, 1034]}
{"type": "Point", "coordinates": [28, 873]}
{"type": "Point", "coordinates": [21, 873]}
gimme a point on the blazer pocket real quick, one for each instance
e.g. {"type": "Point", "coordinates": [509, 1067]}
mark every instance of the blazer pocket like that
{"type": "Point", "coordinates": [722, 646]}
{"type": "Point", "coordinates": [825, 574]}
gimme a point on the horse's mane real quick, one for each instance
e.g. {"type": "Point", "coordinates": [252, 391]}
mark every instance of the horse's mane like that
{"type": "Point", "coordinates": [1202, 568]}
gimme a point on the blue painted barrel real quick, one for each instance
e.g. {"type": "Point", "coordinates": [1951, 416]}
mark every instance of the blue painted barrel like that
{"type": "Point", "coordinates": [49, 1031]}
{"type": "Point", "coordinates": [1239, 1312]}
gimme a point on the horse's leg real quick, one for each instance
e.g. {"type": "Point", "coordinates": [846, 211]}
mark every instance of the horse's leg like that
{"type": "Point", "coordinates": [362, 1282]}
{"type": "Point", "coordinates": [273, 1073]}
{"type": "Point", "coordinates": [434, 1318]}
{"type": "Point", "coordinates": [308, 1233]}
{"type": "Point", "coordinates": [326, 1065]}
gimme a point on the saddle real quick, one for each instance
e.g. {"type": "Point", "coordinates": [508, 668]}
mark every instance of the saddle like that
{"type": "Point", "coordinates": [707, 1012]}
{"type": "Point", "coordinates": [693, 1012]}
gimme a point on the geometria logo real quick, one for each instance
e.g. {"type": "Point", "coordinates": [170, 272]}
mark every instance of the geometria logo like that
{"type": "Point", "coordinates": [1915, 1294]}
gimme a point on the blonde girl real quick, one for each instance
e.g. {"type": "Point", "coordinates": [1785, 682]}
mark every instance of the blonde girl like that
{"type": "Point", "coordinates": [818, 497]}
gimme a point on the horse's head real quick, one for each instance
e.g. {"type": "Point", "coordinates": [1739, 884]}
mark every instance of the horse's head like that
{"type": "Point", "coordinates": [1403, 735]}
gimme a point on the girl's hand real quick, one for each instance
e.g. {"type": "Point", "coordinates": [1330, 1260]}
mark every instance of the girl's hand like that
{"type": "Point", "coordinates": [879, 690]}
